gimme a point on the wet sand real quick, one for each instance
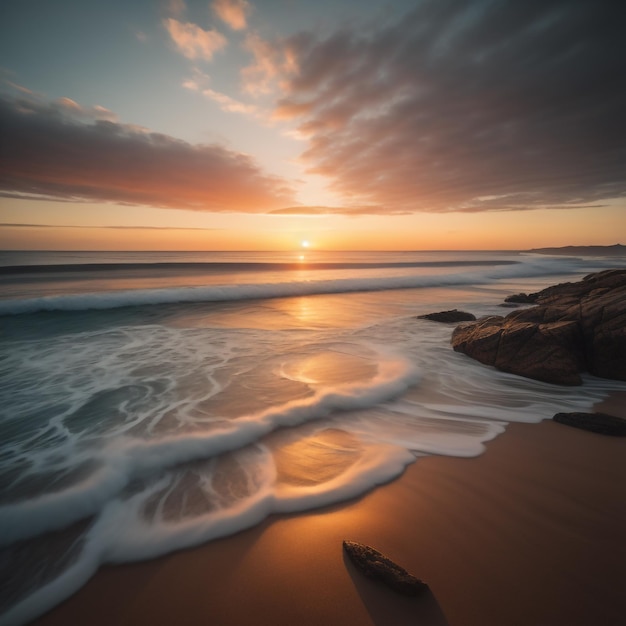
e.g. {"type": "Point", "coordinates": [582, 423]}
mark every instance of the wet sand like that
{"type": "Point", "coordinates": [531, 533]}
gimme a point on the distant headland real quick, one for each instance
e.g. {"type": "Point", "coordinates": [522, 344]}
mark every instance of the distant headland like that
{"type": "Point", "coordinates": [616, 250]}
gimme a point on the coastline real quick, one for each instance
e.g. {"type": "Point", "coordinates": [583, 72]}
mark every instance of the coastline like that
{"type": "Point", "coordinates": [529, 533]}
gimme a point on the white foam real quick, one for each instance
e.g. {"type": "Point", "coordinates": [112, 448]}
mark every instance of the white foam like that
{"type": "Point", "coordinates": [379, 464]}
{"type": "Point", "coordinates": [125, 459]}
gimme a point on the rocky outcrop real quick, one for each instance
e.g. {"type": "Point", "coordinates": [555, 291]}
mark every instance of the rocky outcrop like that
{"type": "Point", "coordinates": [376, 565]}
{"type": "Point", "coordinates": [575, 327]}
{"type": "Point", "coordinates": [521, 298]}
{"type": "Point", "coordinates": [453, 316]}
{"type": "Point", "coordinates": [601, 423]}
{"type": "Point", "coordinates": [615, 250]}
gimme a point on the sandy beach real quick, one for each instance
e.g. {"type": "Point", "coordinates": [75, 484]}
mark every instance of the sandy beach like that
{"type": "Point", "coordinates": [531, 533]}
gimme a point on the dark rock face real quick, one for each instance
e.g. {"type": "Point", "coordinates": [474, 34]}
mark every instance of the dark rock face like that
{"type": "Point", "coordinates": [594, 422]}
{"type": "Point", "coordinates": [521, 298]}
{"type": "Point", "coordinates": [575, 327]}
{"type": "Point", "coordinates": [452, 316]}
{"type": "Point", "coordinates": [376, 565]}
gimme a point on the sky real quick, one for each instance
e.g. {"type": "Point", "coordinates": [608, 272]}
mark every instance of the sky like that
{"type": "Point", "coordinates": [351, 125]}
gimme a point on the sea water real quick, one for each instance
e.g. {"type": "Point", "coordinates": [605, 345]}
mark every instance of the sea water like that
{"type": "Point", "coordinates": [153, 401]}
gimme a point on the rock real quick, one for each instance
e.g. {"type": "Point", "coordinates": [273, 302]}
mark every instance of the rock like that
{"type": "Point", "coordinates": [544, 352]}
{"type": "Point", "coordinates": [603, 321]}
{"type": "Point", "coordinates": [594, 422]}
{"type": "Point", "coordinates": [448, 316]}
{"type": "Point", "coordinates": [539, 351]}
{"type": "Point", "coordinates": [575, 327]}
{"type": "Point", "coordinates": [480, 340]}
{"type": "Point", "coordinates": [521, 298]}
{"type": "Point", "coordinates": [376, 565]}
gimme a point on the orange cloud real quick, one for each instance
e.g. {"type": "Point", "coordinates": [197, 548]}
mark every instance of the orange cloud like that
{"type": "Point", "coordinates": [351, 210]}
{"type": "Point", "coordinates": [46, 154]}
{"type": "Point", "coordinates": [232, 12]}
{"type": "Point", "coordinates": [273, 63]}
{"type": "Point", "coordinates": [287, 110]}
{"type": "Point", "coordinates": [192, 41]}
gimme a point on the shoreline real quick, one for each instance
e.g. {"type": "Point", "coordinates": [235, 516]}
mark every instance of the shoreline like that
{"type": "Point", "coordinates": [529, 533]}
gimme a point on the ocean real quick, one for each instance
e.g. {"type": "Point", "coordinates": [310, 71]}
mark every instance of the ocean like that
{"type": "Point", "coordinates": [150, 402]}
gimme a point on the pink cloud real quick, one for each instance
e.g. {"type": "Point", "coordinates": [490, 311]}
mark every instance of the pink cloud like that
{"type": "Point", "coordinates": [233, 12]}
{"type": "Point", "coordinates": [192, 41]}
{"type": "Point", "coordinates": [273, 64]}
{"type": "Point", "coordinates": [49, 150]}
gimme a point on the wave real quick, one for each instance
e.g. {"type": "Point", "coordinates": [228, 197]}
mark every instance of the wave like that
{"type": "Point", "coordinates": [239, 266]}
{"type": "Point", "coordinates": [226, 293]}
{"type": "Point", "coordinates": [128, 459]}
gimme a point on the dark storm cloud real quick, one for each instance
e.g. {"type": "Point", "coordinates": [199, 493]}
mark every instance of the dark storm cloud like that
{"type": "Point", "coordinates": [55, 151]}
{"type": "Point", "coordinates": [467, 106]}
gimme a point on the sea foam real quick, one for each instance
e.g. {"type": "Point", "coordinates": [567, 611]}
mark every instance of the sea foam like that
{"type": "Point", "coordinates": [126, 459]}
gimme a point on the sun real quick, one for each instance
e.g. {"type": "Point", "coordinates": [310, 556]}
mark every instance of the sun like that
{"type": "Point", "coordinates": [305, 243]}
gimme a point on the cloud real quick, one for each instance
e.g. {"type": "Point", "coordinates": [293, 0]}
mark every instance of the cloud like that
{"type": "Point", "coordinates": [306, 210]}
{"type": "Point", "coordinates": [192, 41]}
{"type": "Point", "coordinates": [232, 12]}
{"type": "Point", "coordinates": [72, 108]}
{"type": "Point", "coordinates": [199, 82]}
{"type": "Point", "coordinates": [226, 103]}
{"type": "Point", "coordinates": [88, 227]}
{"type": "Point", "coordinates": [460, 106]}
{"type": "Point", "coordinates": [19, 88]}
{"type": "Point", "coordinates": [273, 63]}
{"type": "Point", "coordinates": [344, 210]}
{"type": "Point", "coordinates": [49, 151]}
{"type": "Point", "coordinates": [63, 107]}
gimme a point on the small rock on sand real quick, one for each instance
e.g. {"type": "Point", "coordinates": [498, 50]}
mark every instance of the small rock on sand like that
{"type": "Point", "coordinates": [376, 565]}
